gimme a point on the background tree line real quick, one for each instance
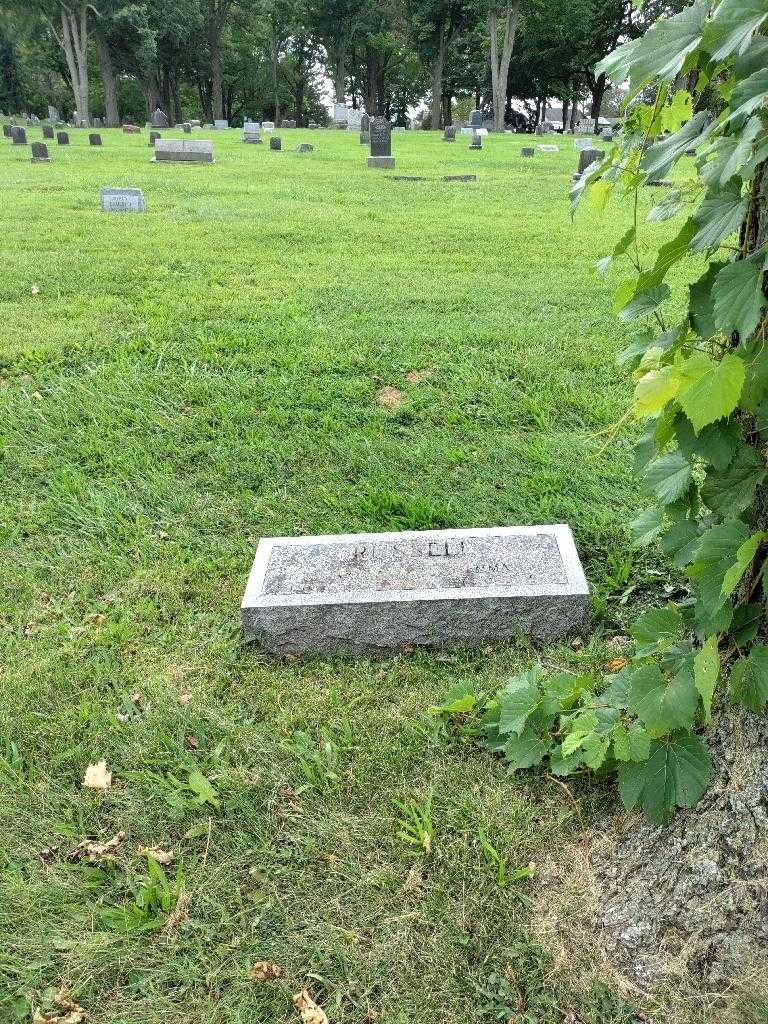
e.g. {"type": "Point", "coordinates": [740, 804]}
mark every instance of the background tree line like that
{"type": "Point", "coordinates": [270, 59]}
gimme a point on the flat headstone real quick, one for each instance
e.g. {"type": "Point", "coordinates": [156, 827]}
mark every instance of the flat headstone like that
{"type": "Point", "coordinates": [305, 147]}
{"type": "Point", "coordinates": [191, 151]}
{"type": "Point", "coordinates": [548, 148]}
{"type": "Point", "coordinates": [159, 119]}
{"type": "Point", "coordinates": [40, 153]}
{"type": "Point", "coordinates": [388, 591]}
{"type": "Point", "coordinates": [527, 151]}
{"type": "Point", "coordinates": [62, 138]}
{"type": "Point", "coordinates": [407, 177]}
{"type": "Point", "coordinates": [47, 131]}
{"type": "Point", "coordinates": [131, 129]}
{"type": "Point", "coordinates": [18, 136]}
{"type": "Point", "coordinates": [94, 139]}
{"type": "Point", "coordinates": [588, 157]}
{"type": "Point", "coordinates": [220, 124]}
{"type": "Point", "coordinates": [459, 177]}
{"type": "Point", "coordinates": [276, 142]}
{"type": "Point", "coordinates": [122, 200]}
{"type": "Point", "coordinates": [582, 144]}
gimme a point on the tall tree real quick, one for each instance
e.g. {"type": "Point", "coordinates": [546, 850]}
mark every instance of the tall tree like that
{"type": "Point", "coordinates": [215, 13]}
{"type": "Point", "coordinates": [502, 28]}
{"type": "Point", "coordinates": [433, 25]}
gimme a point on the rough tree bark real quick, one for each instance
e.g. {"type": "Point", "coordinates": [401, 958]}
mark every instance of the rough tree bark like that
{"type": "Point", "coordinates": [598, 87]}
{"type": "Point", "coordinates": [215, 19]}
{"type": "Point", "coordinates": [438, 63]}
{"type": "Point", "coordinates": [112, 118]}
{"type": "Point", "coordinates": [501, 58]}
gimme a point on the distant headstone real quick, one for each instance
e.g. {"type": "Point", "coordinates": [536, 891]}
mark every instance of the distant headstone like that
{"type": "Point", "coordinates": [606, 135]}
{"type": "Point", "coordinates": [312, 124]}
{"type": "Point", "coordinates": [53, 114]}
{"type": "Point", "coordinates": [30, 122]}
{"type": "Point", "coordinates": [527, 151]}
{"type": "Point", "coordinates": [18, 136]}
{"type": "Point", "coordinates": [476, 119]}
{"type": "Point", "coordinates": [153, 137]}
{"type": "Point", "coordinates": [589, 156]}
{"type": "Point", "coordinates": [340, 113]}
{"type": "Point", "coordinates": [220, 124]}
{"type": "Point", "coordinates": [365, 123]}
{"type": "Point", "coordinates": [197, 151]}
{"type": "Point", "coordinates": [477, 141]}
{"type": "Point", "coordinates": [97, 122]}
{"type": "Point", "coordinates": [449, 133]}
{"type": "Point", "coordinates": [187, 128]}
{"type": "Point", "coordinates": [390, 591]}
{"type": "Point", "coordinates": [291, 124]}
{"type": "Point", "coordinates": [94, 139]}
{"type": "Point", "coordinates": [354, 120]}
{"type": "Point", "coordinates": [267, 126]}
{"type": "Point", "coordinates": [548, 148]}
{"type": "Point", "coordinates": [305, 147]}
{"type": "Point", "coordinates": [122, 200]}
{"type": "Point", "coordinates": [195, 124]}
{"type": "Point", "coordinates": [540, 129]}
{"type": "Point", "coordinates": [62, 138]}
{"type": "Point", "coordinates": [276, 142]}
{"type": "Point", "coordinates": [407, 177]}
{"type": "Point", "coordinates": [40, 153]}
{"type": "Point", "coordinates": [7, 131]}
{"type": "Point", "coordinates": [251, 132]}
{"type": "Point", "coordinates": [365, 138]}
{"type": "Point", "coordinates": [47, 131]}
{"type": "Point", "coordinates": [381, 144]}
{"type": "Point", "coordinates": [159, 119]}
{"type": "Point", "coordinates": [131, 129]}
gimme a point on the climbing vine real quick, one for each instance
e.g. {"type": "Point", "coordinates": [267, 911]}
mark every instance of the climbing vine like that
{"type": "Point", "coordinates": [698, 88]}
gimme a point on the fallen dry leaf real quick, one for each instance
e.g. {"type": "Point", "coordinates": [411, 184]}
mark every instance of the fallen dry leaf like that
{"type": "Point", "coordinates": [616, 665]}
{"type": "Point", "coordinates": [263, 970]}
{"type": "Point", "coordinates": [310, 1012]}
{"type": "Point", "coordinates": [67, 1011]}
{"type": "Point", "coordinates": [98, 777]}
{"type": "Point", "coordinates": [91, 850]}
{"type": "Point", "coordinates": [390, 398]}
{"type": "Point", "coordinates": [156, 853]}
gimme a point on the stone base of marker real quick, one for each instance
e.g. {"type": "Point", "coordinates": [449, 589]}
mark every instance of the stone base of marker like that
{"type": "Point", "coordinates": [384, 592]}
{"type": "Point", "coordinates": [385, 163]}
{"type": "Point", "coordinates": [122, 200]}
{"type": "Point", "coordinates": [197, 151]}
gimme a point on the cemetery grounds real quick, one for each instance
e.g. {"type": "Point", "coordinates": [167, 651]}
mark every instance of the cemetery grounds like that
{"type": "Point", "coordinates": [290, 344]}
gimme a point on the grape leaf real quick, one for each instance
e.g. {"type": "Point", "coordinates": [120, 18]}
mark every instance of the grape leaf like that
{"type": "Point", "coordinates": [710, 390]}
{"type": "Point", "coordinates": [676, 774]}
{"type": "Point", "coordinates": [715, 556]}
{"type": "Point", "coordinates": [706, 669]}
{"type": "Point", "coordinates": [662, 50]}
{"type": "Point", "coordinates": [749, 679]}
{"type": "Point", "coordinates": [526, 750]}
{"type": "Point", "coordinates": [739, 297]}
{"type": "Point", "coordinates": [656, 630]}
{"type": "Point", "coordinates": [733, 490]}
{"type": "Point", "coordinates": [655, 389]}
{"type": "Point", "coordinates": [668, 477]}
{"type": "Point", "coordinates": [661, 155]}
{"type": "Point", "coordinates": [669, 207]}
{"type": "Point", "coordinates": [719, 215]}
{"type": "Point", "coordinates": [746, 622]}
{"type": "Point", "coordinates": [749, 94]}
{"type": "Point", "coordinates": [744, 556]}
{"type": "Point", "coordinates": [731, 26]}
{"type": "Point", "coordinates": [517, 701]}
{"type": "Point", "coordinates": [663, 706]}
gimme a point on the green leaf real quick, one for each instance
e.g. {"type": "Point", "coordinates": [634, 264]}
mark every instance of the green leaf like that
{"type": "Point", "coordinates": [706, 669]}
{"type": "Point", "coordinates": [716, 443]}
{"type": "Point", "coordinates": [646, 527]}
{"type": "Point", "coordinates": [676, 774]}
{"type": "Point", "coordinates": [676, 113]}
{"type": "Point", "coordinates": [657, 630]}
{"type": "Point", "coordinates": [744, 557]}
{"type": "Point", "coordinates": [668, 477]}
{"type": "Point", "coordinates": [733, 490]}
{"type": "Point", "coordinates": [732, 154]}
{"type": "Point", "coordinates": [645, 341]}
{"type": "Point", "coordinates": [738, 296]}
{"type": "Point", "coordinates": [661, 52]}
{"type": "Point", "coordinates": [661, 155]}
{"type": "Point", "coordinates": [716, 554]}
{"type": "Point", "coordinates": [680, 542]}
{"type": "Point", "coordinates": [719, 215]}
{"type": "Point", "coordinates": [702, 303]}
{"type": "Point", "coordinates": [663, 706]}
{"type": "Point", "coordinates": [669, 207]}
{"type": "Point", "coordinates": [517, 701]}
{"type": "Point", "coordinates": [595, 750]}
{"type": "Point", "coordinates": [746, 623]}
{"type": "Point", "coordinates": [749, 679]}
{"type": "Point", "coordinates": [202, 788]}
{"type": "Point", "coordinates": [644, 303]}
{"type": "Point", "coordinates": [655, 389]}
{"type": "Point", "coordinates": [526, 750]}
{"type": "Point", "coordinates": [731, 27]}
{"type": "Point", "coordinates": [749, 94]}
{"type": "Point", "coordinates": [617, 64]}
{"type": "Point", "coordinates": [755, 356]}
{"type": "Point", "coordinates": [671, 253]}
{"type": "Point", "coordinates": [710, 390]}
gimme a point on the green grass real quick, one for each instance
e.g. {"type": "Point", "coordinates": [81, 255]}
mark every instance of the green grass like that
{"type": "Point", "coordinates": [174, 386]}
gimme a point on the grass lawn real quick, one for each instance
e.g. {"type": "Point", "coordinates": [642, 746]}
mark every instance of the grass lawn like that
{"type": "Point", "coordinates": [177, 384]}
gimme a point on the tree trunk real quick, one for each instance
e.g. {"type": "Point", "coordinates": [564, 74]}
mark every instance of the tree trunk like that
{"type": "Point", "coordinates": [74, 42]}
{"type": "Point", "coordinates": [274, 70]}
{"type": "Point", "coordinates": [112, 111]}
{"type": "Point", "coordinates": [565, 115]}
{"type": "Point", "coordinates": [448, 108]}
{"type": "Point", "coordinates": [339, 77]}
{"type": "Point", "coordinates": [437, 75]}
{"type": "Point", "coordinates": [598, 92]}
{"type": "Point", "coordinates": [500, 61]}
{"type": "Point", "coordinates": [178, 113]}
{"type": "Point", "coordinates": [217, 76]}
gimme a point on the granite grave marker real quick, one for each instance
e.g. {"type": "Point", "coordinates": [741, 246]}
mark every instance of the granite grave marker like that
{"type": "Point", "coordinates": [381, 144]}
{"type": "Point", "coordinates": [94, 139]}
{"type": "Point", "coordinates": [62, 138]}
{"type": "Point", "coordinates": [275, 142]}
{"type": "Point", "coordinates": [40, 153]}
{"type": "Point", "coordinates": [122, 200]}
